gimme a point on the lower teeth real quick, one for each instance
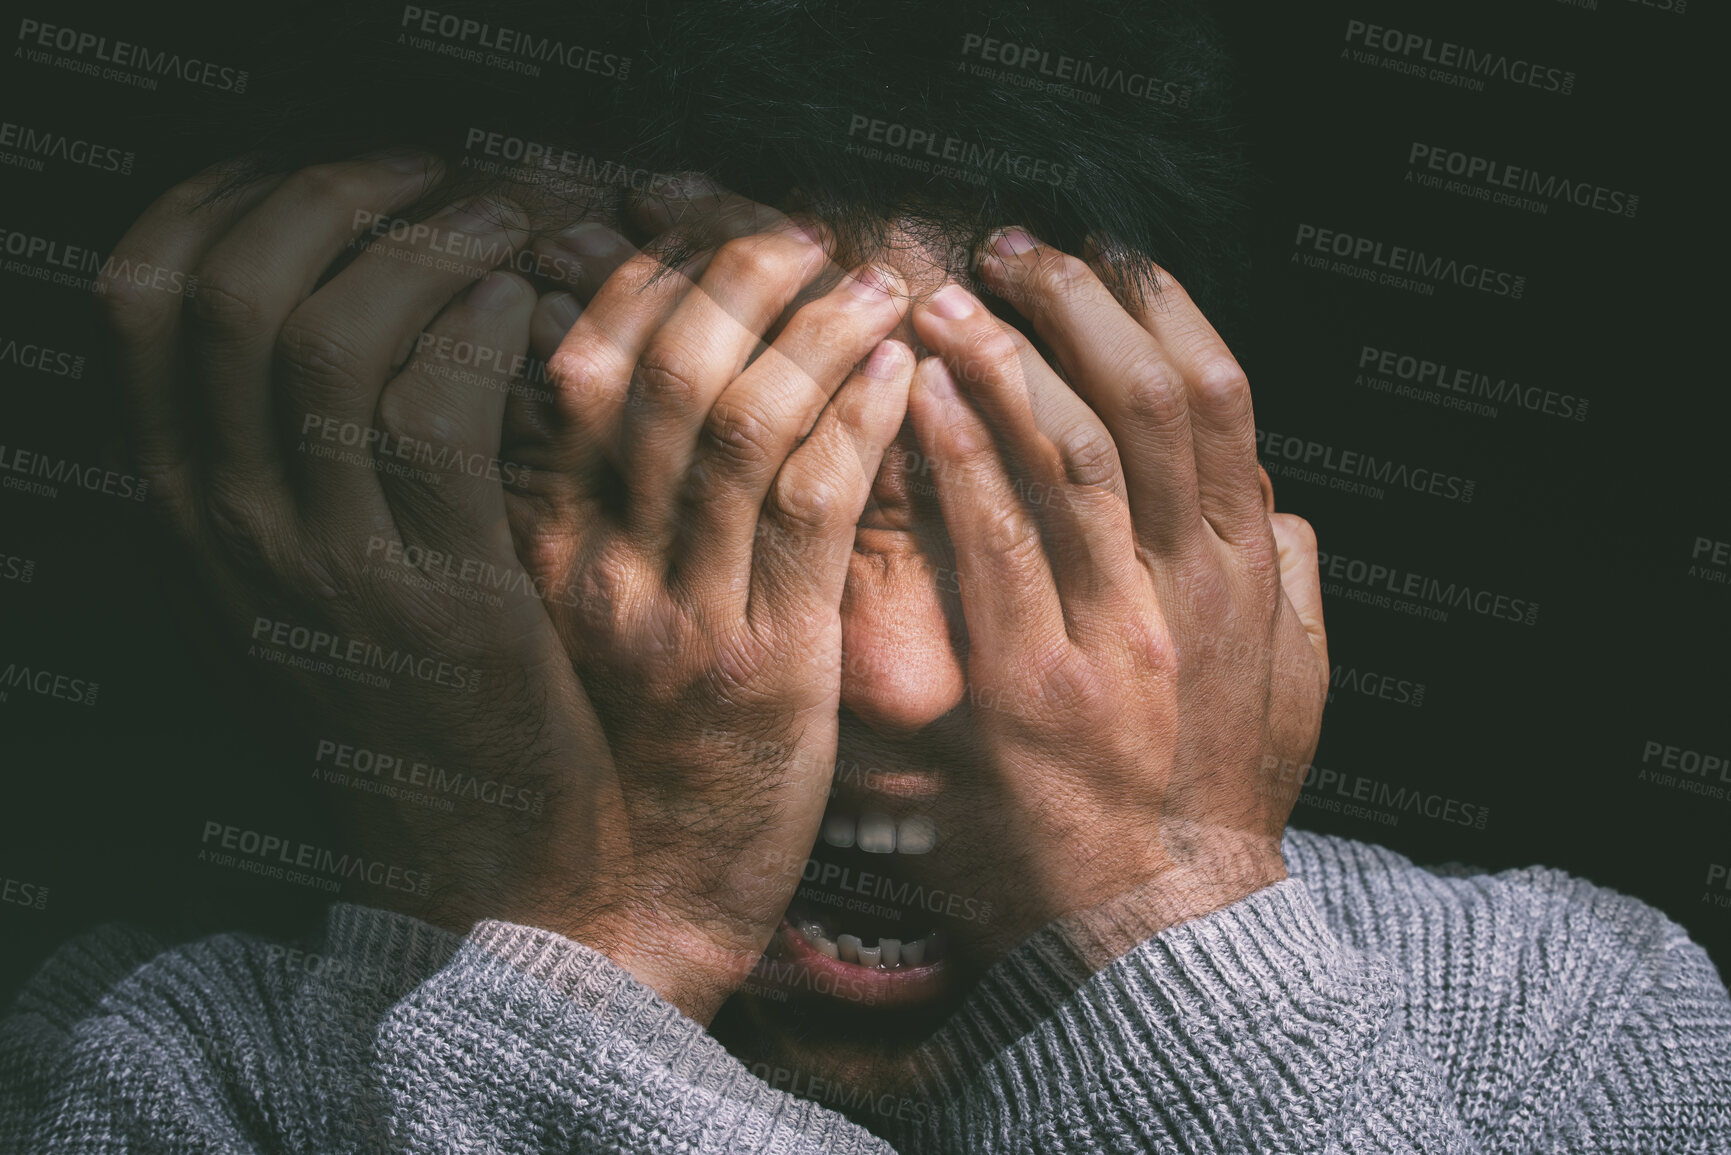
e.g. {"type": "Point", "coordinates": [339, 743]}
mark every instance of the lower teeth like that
{"type": "Point", "coordinates": [886, 954]}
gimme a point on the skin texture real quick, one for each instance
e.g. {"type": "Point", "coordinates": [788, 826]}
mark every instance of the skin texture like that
{"type": "Point", "coordinates": [780, 517]}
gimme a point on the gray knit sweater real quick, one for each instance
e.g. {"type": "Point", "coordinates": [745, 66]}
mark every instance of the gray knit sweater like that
{"type": "Point", "coordinates": [1364, 1004]}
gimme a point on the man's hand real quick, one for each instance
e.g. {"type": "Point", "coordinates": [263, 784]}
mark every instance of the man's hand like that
{"type": "Point", "coordinates": [313, 450]}
{"type": "Point", "coordinates": [703, 519]}
{"type": "Point", "coordinates": [1145, 635]}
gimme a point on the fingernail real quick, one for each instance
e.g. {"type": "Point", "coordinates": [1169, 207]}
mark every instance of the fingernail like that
{"type": "Point", "coordinates": [564, 311]}
{"type": "Point", "coordinates": [484, 214]}
{"type": "Point", "coordinates": [411, 160]}
{"type": "Point", "coordinates": [494, 291]}
{"type": "Point", "coordinates": [1012, 242]}
{"type": "Point", "coordinates": [871, 284]}
{"type": "Point", "coordinates": [591, 240]}
{"type": "Point", "coordinates": [885, 360]}
{"type": "Point", "coordinates": [952, 302]}
{"type": "Point", "coordinates": [801, 231]}
{"type": "Point", "coordinates": [940, 384]}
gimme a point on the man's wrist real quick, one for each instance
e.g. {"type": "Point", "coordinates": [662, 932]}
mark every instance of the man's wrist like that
{"type": "Point", "coordinates": [1229, 871]}
{"type": "Point", "coordinates": [690, 968]}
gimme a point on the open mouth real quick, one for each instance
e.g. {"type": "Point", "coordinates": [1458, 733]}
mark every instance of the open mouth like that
{"type": "Point", "coordinates": [862, 926]}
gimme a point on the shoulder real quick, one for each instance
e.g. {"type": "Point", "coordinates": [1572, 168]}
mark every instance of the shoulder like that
{"type": "Point", "coordinates": [1382, 902]}
{"type": "Point", "coordinates": [1526, 985]}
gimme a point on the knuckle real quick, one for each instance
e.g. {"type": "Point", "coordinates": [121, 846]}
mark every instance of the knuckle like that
{"type": "Point", "coordinates": [240, 522]}
{"type": "Point", "coordinates": [990, 351]}
{"type": "Point", "coordinates": [226, 303]}
{"type": "Point", "coordinates": [1155, 395]}
{"type": "Point", "coordinates": [757, 260]}
{"type": "Point", "coordinates": [1063, 276]}
{"type": "Point", "coordinates": [1090, 457]}
{"type": "Point", "coordinates": [807, 503]}
{"type": "Point", "coordinates": [1221, 385]}
{"type": "Point", "coordinates": [739, 437]}
{"type": "Point", "coordinates": [578, 377]}
{"type": "Point", "coordinates": [132, 310]}
{"type": "Point", "coordinates": [666, 377]}
{"type": "Point", "coordinates": [330, 183]}
{"type": "Point", "coordinates": [315, 353]}
{"type": "Point", "coordinates": [411, 416]}
{"type": "Point", "coordinates": [1010, 538]}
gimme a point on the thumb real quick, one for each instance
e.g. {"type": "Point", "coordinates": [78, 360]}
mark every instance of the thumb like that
{"type": "Point", "coordinates": [1300, 576]}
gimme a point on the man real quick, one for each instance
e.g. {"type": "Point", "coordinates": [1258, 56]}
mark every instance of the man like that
{"type": "Point", "coordinates": [1024, 603]}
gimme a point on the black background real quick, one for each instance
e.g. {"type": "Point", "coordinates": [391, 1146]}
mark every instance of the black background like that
{"type": "Point", "coordinates": [1542, 727]}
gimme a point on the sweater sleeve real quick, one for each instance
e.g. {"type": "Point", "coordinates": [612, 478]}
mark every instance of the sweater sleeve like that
{"type": "Point", "coordinates": [387, 1036]}
{"type": "Point", "coordinates": [1363, 1005]}
{"type": "Point", "coordinates": [1250, 1029]}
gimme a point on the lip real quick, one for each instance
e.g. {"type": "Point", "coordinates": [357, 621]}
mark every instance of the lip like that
{"type": "Point", "coordinates": [815, 975]}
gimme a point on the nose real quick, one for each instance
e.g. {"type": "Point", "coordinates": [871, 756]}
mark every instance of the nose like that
{"type": "Point", "coordinates": [900, 667]}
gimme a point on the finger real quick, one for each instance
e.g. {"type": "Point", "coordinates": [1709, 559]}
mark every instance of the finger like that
{"type": "Point", "coordinates": [340, 347]}
{"type": "Point", "coordinates": [531, 417]}
{"type": "Point", "coordinates": [701, 211]}
{"type": "Point", "coordinates": [805, 542]}
{"type": "Point", "coordinates": [142, 295]}
{"type": "Point", "coordinates": [590, 370]}
{"type": "Point", "coordinates": [1267, 485]}
{"type": "Point", "coordinates": [758, 419]}
{"type": "Point", "coordinates": [701, 348]}
{"type": "Point", "coordinates": [1121, 371]}
{"type": "Point", "coordinates": [446, 491]}
{"type": "Point", "coordinates": [1301, 577]}
{"type": "Point", "coordinates": [1073, 484]}
{"type": "Point", "coordinates": [1009, 597]}
{"type": "Point", "coordinates": [582, 257]}
{"type": "Point", "coordinates": [260, 273]}
{"type": "Point", "coordinates": [1222, 425]}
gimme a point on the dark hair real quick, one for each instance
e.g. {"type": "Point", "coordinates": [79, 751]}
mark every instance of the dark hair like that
{"type": "Point", "coordinates": [1109, 119]}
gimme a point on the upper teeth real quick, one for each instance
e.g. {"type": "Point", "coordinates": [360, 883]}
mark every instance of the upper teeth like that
{"type": "Point", "coordinates": [878, 833]}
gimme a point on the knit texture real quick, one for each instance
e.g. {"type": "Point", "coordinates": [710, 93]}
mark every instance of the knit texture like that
{"type": "Point", "coordinates": [1365, 1004]}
